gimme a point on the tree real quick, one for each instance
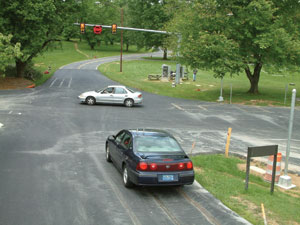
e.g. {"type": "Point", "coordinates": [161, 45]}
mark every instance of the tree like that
{"type": "Point", "coordinates": [147, 14]}
{"type": "Point", "coordinates": [34, 24]}
{"type": "Point", "coordinates": [8, 51]}
{"type": "Point", "coordinates": [234, 36]}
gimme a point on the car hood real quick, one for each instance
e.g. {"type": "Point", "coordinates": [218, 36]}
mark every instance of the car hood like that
{"type": "Point", "coordinates": [88, 93]}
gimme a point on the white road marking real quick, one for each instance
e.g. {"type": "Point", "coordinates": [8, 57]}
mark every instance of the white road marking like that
{"type": "Point", "coordinates": [1, 125]}
{"type": "Point", "coordinates": [10, 112]}
{"type": "Point", "coordinates": [61, 83]}
{"type": "Point", "coordinates": [177, 106]}
{"type": "Point", "coordinates": [261, 108]}
{"type": "Point", "coordinates": [243, 110]}
{"type": "Point", "coordinates": [201, 107]}
{"type": "Point", "coordinates": [69, 85]}
{"type": "Point", "coordinates": [53, 82]}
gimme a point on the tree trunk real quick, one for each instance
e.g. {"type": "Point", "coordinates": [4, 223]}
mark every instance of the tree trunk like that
{"type": "Point", "coordinates": [127, 47]}
{"type": "Point", "coordinates": [254, 78]}
{"type": "Point", "coordinates": [20, 66]}
{"type": "Point", "coordinates": [165, 54]}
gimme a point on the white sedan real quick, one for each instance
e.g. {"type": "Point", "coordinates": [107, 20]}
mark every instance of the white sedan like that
{"type": "Point", "coordinates": [113, 95]}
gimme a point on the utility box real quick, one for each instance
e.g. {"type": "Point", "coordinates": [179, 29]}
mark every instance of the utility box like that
{"type": "Point", "coordinates": [165, 70]}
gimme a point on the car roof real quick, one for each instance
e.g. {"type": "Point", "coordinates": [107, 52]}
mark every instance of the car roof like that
{"type": "Point", "coordinates": [149, 132]}
{"type": "Point", "coordinates": [117, 86]}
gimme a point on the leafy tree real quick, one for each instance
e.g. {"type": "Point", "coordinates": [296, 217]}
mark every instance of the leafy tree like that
{"type": "Point", "coordinates": [34, 24]}
{"type": "Point", "coordinates": [147, 14]}
{"type": "Point", "coordinates": [234, 36]}
{"type": "Point", "coordinates": [8, 51]}
{"type": "Point", "coordinates": [102, 12]}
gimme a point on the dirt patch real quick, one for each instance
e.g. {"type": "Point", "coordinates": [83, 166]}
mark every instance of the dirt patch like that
{"type": "Point", "coordinates": [295, 192]}
{"type": "Point", "coordinates": [8, 83]}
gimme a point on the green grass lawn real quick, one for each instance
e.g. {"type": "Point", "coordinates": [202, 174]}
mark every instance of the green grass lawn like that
{"type": "Point", "coordinates": [65, 53]}
{"type": "Point", "coordinates": [222, 178]}
{"type": "Point", "coordinates": [206, 88]}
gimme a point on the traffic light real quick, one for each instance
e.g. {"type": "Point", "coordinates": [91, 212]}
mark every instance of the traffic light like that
{"type": "Point", "coordinates": [97, 29]}
{"type": "Point", "coordinates": [114, 28]}
{"type": "Point", "coordinates": [82, 28]}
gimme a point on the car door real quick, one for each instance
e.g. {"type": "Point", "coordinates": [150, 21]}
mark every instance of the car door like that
{"type": "Point", "coordinates": [106, 95]}
{"type": "Point", "coordinates": [124, 146]}
{"type": "Point", "coordinates": [114, 147]}
{"type": "Point", "coordinates": [120, 95]}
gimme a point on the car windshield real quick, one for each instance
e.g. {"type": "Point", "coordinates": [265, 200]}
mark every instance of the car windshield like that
{"type": "Point", "coordinates": [156, 144]}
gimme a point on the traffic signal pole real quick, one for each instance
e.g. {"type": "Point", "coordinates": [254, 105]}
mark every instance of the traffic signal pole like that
{"type": "Point", "coordinates": [128, 28]}
{"type": "Point", "coordinates": [125, 28]}
{"type": "Point", "coordinates": [121, 54]}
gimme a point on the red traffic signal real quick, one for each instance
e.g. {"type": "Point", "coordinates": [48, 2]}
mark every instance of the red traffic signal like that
{"type": "Point", "coordinates": [82, 28]}
{"type": "Point", "coordinates": [97, 29]}
{"type": "Point", "coordinates": [114, 28]}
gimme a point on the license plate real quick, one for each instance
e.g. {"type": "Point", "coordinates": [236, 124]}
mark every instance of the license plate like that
{"type": "Point", "coordinates": [167, 177]}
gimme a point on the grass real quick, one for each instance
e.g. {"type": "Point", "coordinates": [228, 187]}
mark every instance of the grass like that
{"type": "Point", "coordinates": [206, 88]}
{"type": "Point", "coordinates": [222, 178]}
{"type": "Point", "coordinates": [65, 53]}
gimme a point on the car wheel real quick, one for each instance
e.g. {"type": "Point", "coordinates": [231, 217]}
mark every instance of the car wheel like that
{"type": "Point", "coordinates": [128, 102]}
{"type": "Point", "coordinates": [107, 154]}
{"type": "Point", "coordinates": [90, 100]}
{"type": "Point", "coordinates": [126, 180]}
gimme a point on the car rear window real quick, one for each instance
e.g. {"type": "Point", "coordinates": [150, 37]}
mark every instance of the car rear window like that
{"type": "Point", "coordinates": [156, 144]}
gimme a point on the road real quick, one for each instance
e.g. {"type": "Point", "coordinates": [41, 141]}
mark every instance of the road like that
{"type": "Point", "coordinates": [52, 161]}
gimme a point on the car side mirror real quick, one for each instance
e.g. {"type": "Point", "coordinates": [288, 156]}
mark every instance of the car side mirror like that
{"type": "Point", "coordinates": [111, 137]}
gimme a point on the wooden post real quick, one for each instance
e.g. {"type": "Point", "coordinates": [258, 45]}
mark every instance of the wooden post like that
{"type": "Point", "coordinates": [228, 142]}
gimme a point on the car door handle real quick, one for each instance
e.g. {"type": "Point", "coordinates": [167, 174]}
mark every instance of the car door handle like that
{"type": "Point", "coordinates": [111, 95]}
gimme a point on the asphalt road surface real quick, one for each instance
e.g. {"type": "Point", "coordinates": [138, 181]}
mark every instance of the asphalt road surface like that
{"type": "Point", "coordinates": [52, 161]}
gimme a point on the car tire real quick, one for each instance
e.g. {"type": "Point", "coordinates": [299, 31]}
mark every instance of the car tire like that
{"type": "Point", "coordinates": [107, 154]}
{"type": "Point", "coordinates": [126, 181]}
{"type": "Point", "coordinates": [90, 100]}
{"type": "Point", "coordinates": [128, 102]}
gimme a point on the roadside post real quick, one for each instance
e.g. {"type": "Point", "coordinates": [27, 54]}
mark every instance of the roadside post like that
{"type": "Point", "coordinates": [262, 151]}
{"type": "Point", "coordinates": [228, 142]}
{"type": "Point", "coordinates": [285, 181]}
{"type": "Point", "coordinates": [221, 99]}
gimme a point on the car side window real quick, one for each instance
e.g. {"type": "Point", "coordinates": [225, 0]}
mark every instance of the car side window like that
{"type": "Point", "coordinates": [120, 90]}
{"type": "Point", "coordinates": [119, 137]}
{"type": "Point", "coordinates": [127, 141]}
{"type": "Point", "coordinates": [109, 90]}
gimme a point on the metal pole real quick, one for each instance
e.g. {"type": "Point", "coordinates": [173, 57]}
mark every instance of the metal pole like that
{"type": "Point", "coordinates": [286, 89]}
{"type": "Point", "coordinates": [290, 131]}
{"type": "Point", "coordinates": [230, 92]}
{"type": "Point", "coordinates": [121, 40]}
{"type": "Point", "coordinates": [221, 91]}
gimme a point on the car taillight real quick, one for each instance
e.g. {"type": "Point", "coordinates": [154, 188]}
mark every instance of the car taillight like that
{"type": "Point", "coordinates": [140, 95]}
{"type": "Point", "coordinates": [142, 166]}
{"type": "Point", "coordinates": [153, 166]}
{"type": "Point", "coordinates": [181, 166]}
{"type": "Point", "coordinates": [189, 165]}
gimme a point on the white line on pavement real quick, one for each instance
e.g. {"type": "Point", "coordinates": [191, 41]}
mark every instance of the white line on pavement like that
{"type": "Point", "coordinates": [61, 83]}
{"type": "Point", "coordinates": [1, 125]}
{"type": "Point", "coordinates": [177, 106]}
{"type": "Point", "coordinates": [201, 107]}
{"type": "Point", "coordinates": [69, 85]}
{"type": "Point", "coordinates": [53, 82]}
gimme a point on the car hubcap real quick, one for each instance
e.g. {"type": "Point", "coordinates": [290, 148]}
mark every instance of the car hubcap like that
{"type": "Point", "coordinates": [129, 103]}
{"type": "Point", "coordinates": [90, 101]}
{"type": "Point", "coordinates": [125, 176]}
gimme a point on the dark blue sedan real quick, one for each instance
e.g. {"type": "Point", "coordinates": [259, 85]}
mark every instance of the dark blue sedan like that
{"type": "Point", "coordinates": [149, 157]}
